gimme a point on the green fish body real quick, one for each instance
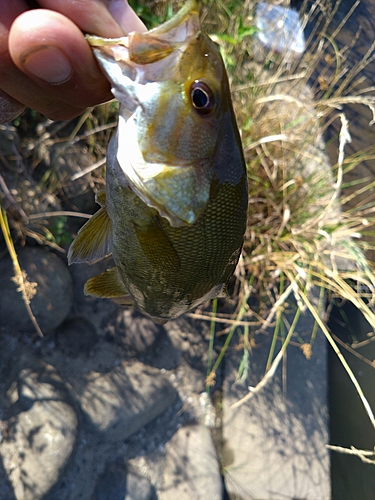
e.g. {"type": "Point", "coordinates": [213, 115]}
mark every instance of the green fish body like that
{"type": "Point", "coordinates": [174, 211]}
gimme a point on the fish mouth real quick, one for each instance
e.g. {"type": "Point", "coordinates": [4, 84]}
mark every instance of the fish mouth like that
{"type": "Point", "coordinates": [132, 53]}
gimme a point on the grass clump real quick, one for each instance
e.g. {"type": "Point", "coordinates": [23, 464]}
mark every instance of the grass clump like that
{"type": "Point", "coordinates": [310, 226]}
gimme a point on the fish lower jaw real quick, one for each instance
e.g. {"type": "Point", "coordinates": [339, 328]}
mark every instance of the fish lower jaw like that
{"type": "Point", "coordinates": [98, 41]}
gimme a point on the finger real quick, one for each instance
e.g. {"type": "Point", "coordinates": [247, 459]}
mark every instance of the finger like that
{"type": "Point", "coordinates": [19, 88]}
{"type": "Point", "coordinates": [9, 108]}
{"type": "Point", "coordinates": [54, 93]}
{"type": "Point", "coordinates": [16, 88]}
{"type": "Point", "coordinates": [126, 17]}
{"type": "Point", "coordinates": [9, 11]}
{"type": "Point", "coordinates": [107, 18]}
{"type": "Point", "coordinates": [52, 51]}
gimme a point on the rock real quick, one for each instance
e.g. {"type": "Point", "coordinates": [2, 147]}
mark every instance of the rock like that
{"type": "Point", "coordinates": [53, 294]}
{"type": "Point", "coordinates": [10, 357]}
{"type": "Point", "coordinates": [41, 436]}
{"type": "Point", "coordinates": [163, 355]}
{"type": "Point", "coordinates": [139, 488]}
{"type": "Point", "coordinates": [274, 445]}
{"type": "Point", "coordinates": [121, 402]}
{"type": "Point", "coordinates": [118, 483]}
{"type": "Point", "coordinates": [190, 339]}
{"type": "Point", "coordinates": [80, 274]}
{"type": "Point", "coordinates": [136, 332]}
{"type": "Point", "coordinates": [76, 336]}
{"type": "Point", "coordinates": [192, 467]}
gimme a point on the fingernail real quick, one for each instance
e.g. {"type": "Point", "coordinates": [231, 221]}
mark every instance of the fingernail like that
{"type": "Point", "coordinates": [47, 63]}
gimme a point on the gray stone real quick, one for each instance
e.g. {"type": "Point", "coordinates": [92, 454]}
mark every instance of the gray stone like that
{"type": "Point", "coordinates": [136, 332]}
{"type": "Point", "coordinates": [192, 468]}
{"type": "Point", "coordinates": [54, 294]}
{"type": "Point", "coordinates": [119, 483]}
{"type": "Point", "coordinates": [121, 402]}
{"type": "Point", "coordinates": [76, 336]}
{"type": "Point", "coordinates": [139, 488]}
{"type": "Point", "coordinates": [41, 436]}
{"type": "Point", "coordinates": [80, 274]}
{"type": "Point", "coordinates": [274, 445]}
{"type": "Point", "coordinates": [163, 355]}
{"type": "Point", "coordinates": [10, 361]}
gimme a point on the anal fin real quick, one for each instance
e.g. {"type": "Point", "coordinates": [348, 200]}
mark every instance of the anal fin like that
{"type": "Point", "coordinates": [107, 285]}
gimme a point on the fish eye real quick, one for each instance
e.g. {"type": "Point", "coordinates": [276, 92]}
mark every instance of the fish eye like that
{"type": "Point", "coordinates": [202, 97]}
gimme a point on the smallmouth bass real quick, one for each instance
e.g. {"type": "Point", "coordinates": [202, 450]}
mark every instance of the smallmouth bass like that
{"type": "Point", "coordinates": [174, 211]}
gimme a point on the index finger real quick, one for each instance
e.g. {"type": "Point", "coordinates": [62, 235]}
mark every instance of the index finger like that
{"type": "Point", "coordinates": [106, 18]}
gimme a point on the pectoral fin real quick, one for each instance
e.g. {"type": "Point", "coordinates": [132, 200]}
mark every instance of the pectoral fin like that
{"type": "Point", "coordinates": [94, 239]}
{"type": "Point", "coordinates": [107, 285]}
{"type": "Point", "coordinates": [157, 247]}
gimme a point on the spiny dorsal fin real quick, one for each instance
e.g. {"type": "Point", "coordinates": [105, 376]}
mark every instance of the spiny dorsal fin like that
{"type": "Point", "coordinates": [93, 241]}
{"type": "Point", "coordinates": [107, 285]}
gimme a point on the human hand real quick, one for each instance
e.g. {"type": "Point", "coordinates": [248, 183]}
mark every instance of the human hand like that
{"type": "Point", "coordinates": [46, 63]}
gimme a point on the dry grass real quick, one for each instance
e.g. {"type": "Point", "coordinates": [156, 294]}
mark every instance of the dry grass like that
{"type": "Point", "coordinates": [24, 286]}
{"type": "Point", "coordinates": [300, 245]}
{"type": "Point", "coordinates": [46, 166]}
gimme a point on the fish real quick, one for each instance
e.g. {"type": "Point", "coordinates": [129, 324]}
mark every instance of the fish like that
{"type": "Point", "coordinates": [173, 213]}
